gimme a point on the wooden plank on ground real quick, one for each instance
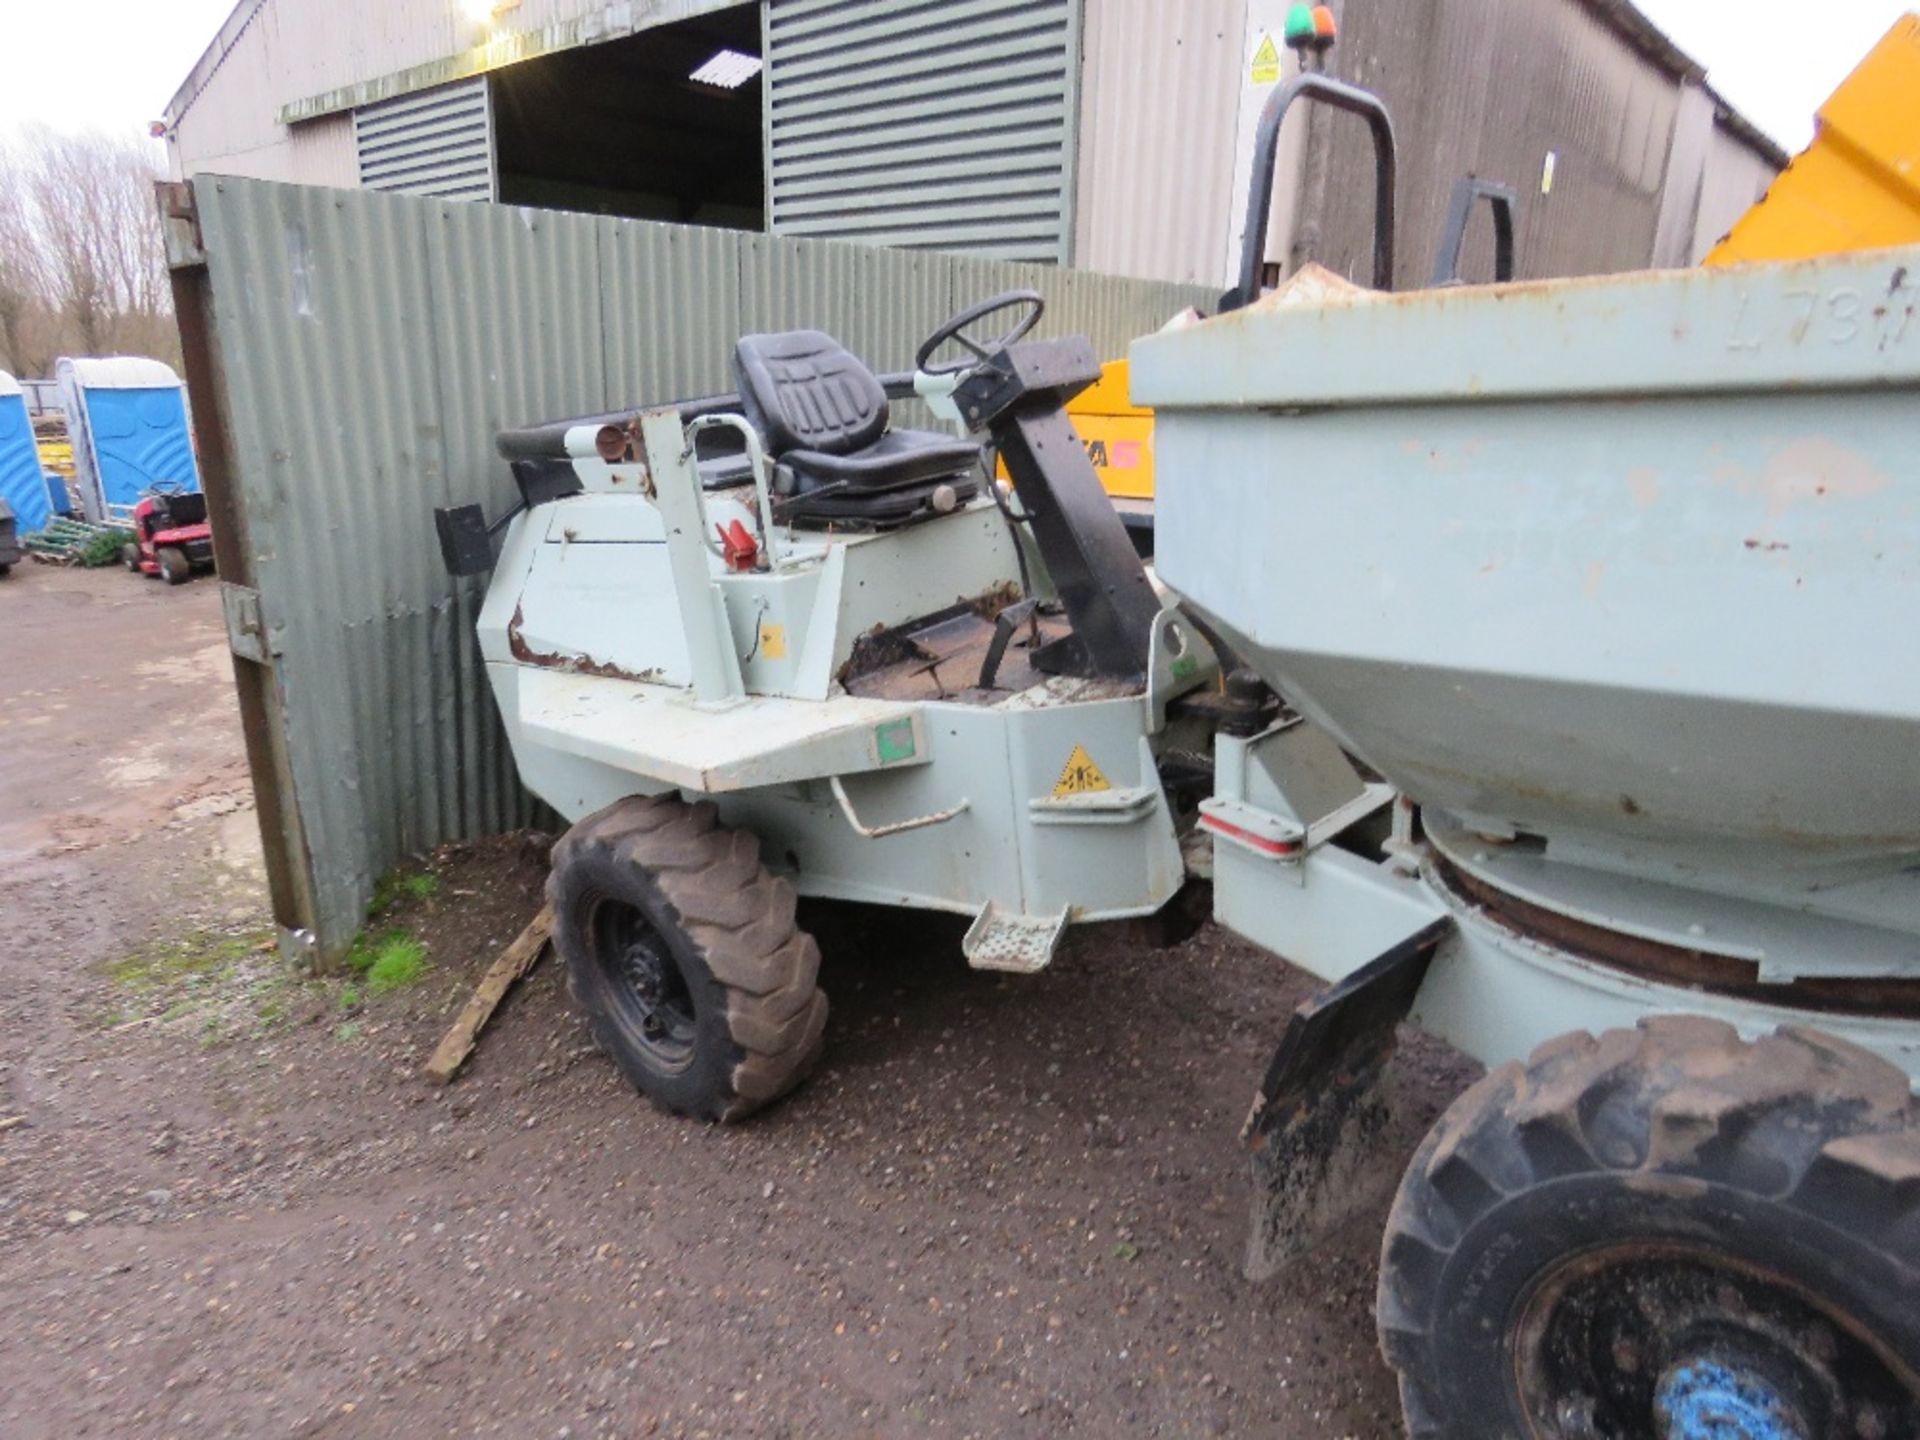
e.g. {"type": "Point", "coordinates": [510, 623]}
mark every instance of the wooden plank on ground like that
{"type": "Point", "coordinates": [516, 960]}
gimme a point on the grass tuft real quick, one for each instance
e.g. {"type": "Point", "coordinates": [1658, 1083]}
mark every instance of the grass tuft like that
{"type": "Point", "coordinates": [393, 887]}
{"type": "Point", "coordinates": [399, 961]}
{"type": "Point", "coordinates": [186, 958]}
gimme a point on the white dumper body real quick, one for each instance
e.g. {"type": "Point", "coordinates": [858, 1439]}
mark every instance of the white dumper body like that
{"type": "Point", "coordinates": [1616, 580]}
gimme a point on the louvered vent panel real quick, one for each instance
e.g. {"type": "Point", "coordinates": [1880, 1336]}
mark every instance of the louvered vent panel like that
{"type": "Point", "coordinates": [433, 142]}
{"type": "Point", "coordinates": [928, 124]}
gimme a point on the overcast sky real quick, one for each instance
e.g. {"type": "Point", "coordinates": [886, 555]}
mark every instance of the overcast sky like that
{"type": "Point", "coordinates": [113, 64]}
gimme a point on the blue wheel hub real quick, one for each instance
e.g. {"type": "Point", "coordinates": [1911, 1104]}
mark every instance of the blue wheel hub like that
{"type": "Point", "coordinates": [1706, 1399]}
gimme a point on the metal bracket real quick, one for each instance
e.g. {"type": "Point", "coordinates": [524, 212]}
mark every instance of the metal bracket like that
{"type": "Point", "coordinates": [246, 631]}
{"type": "Point", "coordinates": [180, 223]}
{"type": "Point", "coordinates": [703, 608]}
{"type": "Point", "coordinates": [1179, 659]}
{"type": "Point", "coordinates": [898, 827]}
{"type": "Point", "coordinates": [299, 950]}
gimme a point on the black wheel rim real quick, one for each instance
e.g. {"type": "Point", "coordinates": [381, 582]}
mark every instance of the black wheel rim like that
{"type": "Point", "coordinates": [1682, 1343]}
{"type": "Point", "coordinates": [644, 984]}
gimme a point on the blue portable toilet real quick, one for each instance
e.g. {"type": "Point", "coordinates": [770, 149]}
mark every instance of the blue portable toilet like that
{"type": "Point", "coordinates": [22, 485]}
{"type": "Point", "coordinates": [127, 418]}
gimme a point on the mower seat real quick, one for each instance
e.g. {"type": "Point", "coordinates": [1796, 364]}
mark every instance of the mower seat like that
{"type": "Point", "coordinates": [177, 511]}
{"type": "Point", "coordinates": [824, 416]}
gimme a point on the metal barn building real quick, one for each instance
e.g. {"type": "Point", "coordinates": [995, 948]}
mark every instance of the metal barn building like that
{"type": "Point", "coordinates": [1113, 135]}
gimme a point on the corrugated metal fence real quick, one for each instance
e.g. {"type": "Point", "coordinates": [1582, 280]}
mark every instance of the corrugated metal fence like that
{"type": "Point", "coordinates": [351, 356]}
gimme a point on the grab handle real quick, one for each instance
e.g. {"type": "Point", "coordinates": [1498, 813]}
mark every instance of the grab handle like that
{"type": "Point", "coordinates": [1326, 90]}
{"type": "Point", "coordinates": [1501, 201]}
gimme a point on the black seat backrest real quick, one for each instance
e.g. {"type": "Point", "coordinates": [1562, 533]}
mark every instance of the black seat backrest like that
{"type": "Point", "coordinates": [187, 508]}
{"type": "Point", "coordinates": [804, 391]}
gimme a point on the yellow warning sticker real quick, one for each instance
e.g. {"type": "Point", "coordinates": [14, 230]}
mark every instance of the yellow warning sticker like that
{"type": "Point", "coordinates": [773, 641]}
{"type": "Point", "coordinates": [1081, 776]}
{"type": "Point", "coordinates": [1266, 62]}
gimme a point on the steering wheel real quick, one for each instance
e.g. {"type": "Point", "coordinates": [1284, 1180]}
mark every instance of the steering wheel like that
{"type": "Point", "coordinates": [954, 329]}
{"type": "Point", "coordinates": [166, 489]}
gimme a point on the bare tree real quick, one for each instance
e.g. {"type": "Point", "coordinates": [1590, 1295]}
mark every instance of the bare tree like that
{"type": "Point", "coordinates": [82, 257]}
{"type": "Point", "coordinates": [23, 280]}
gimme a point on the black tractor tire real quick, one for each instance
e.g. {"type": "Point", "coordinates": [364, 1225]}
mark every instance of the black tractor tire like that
{"type": "Point", "coordinates": [1630, 1225]}
{"type": "Point", "coordinates": [175, 568]}
{"type": "Point", "coordinates": [130, 556]}
{"type": "Point", "coordinates": [683, 952]}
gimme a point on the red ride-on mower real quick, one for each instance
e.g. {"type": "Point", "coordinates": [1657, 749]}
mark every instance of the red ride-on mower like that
{"type": "Point", "coordinates": [171, 536]}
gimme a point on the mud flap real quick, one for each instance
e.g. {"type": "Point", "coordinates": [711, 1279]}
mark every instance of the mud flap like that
{"type": "Point", "coordinates": [1318, 1113]}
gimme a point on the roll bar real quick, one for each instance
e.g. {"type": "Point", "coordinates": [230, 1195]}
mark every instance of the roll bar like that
{"type": "Point", "coordinates": [1502, 201]}
{"type": "Point", "coordinates": [1323, 88]}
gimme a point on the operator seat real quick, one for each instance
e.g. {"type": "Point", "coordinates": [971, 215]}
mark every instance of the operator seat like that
{"type": "Point", "coordinates": [823, 417]}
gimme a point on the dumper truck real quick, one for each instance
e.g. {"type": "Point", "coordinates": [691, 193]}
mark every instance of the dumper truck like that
{"type": "Point", "coordinates": [1528, 662]}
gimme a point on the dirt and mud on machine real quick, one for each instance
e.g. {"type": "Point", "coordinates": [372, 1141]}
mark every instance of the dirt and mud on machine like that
{"type": "Point", "coordinates": [172, 537]}
{"type": "Point", "coordinates": [1535, 668]}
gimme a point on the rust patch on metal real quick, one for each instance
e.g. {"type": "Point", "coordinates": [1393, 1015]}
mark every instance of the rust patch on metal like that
{"type": "Point", "coordinates": [569, 664]}
{"type": "Point", "coordinates": [1675, 965]}
{"type": "Point", "coordinates": [989, 604]}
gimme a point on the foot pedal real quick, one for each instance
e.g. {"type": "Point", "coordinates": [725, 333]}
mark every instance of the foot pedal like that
{"type": "Point", "coordinates": [1017, 944]}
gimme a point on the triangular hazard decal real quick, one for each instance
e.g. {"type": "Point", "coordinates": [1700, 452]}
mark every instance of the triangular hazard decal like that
{"type": "Point", "coordinates": [1081, 776]}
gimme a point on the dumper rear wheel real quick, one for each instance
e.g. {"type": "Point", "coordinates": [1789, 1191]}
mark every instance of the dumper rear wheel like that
{"type": "Point", "coordinates": [683, 952]}
{"type": "Point", "coordinates": [1663, 1232]}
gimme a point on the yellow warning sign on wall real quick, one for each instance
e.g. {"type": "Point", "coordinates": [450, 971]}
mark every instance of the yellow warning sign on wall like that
{"type": "Point", "coordinates": [1266, 62]}
{"type": "Point", "coordinates": [1081, 776]}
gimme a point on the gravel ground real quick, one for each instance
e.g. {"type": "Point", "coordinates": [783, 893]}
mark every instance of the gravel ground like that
{"type": "Point", "coordinates": [228, 1206]}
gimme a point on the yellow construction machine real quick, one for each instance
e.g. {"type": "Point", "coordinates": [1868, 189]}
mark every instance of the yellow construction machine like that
{"type": "Point", "coordinates": [1857, 187]}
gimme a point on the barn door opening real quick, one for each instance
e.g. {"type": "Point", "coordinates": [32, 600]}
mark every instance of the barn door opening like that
{"type": "Point", "coordinates": [662, 125]}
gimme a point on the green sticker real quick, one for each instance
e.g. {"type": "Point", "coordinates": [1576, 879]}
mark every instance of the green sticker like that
{"type": "Point", "coordinates": [893, 741]}
{"type": "Point", "coordinates": [1185, 666]}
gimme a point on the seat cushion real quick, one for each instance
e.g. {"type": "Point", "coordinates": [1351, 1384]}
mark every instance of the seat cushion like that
{"type": "Point", "coordinates": [881, 509]}
{"type": "Point", "coordinates": [900, 457]}
{"type": "Point", "coordinates": [803, 390]}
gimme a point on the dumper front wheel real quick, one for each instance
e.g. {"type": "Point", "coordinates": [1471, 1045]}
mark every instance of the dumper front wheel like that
{"type": "Point", "coordinates": [1663, 1232]}
{"type": "Point", "coordinates": [683, 952]}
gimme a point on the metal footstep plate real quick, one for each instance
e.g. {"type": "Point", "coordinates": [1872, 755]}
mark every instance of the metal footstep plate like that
{"type": "Point", "coordinates": [1018, 944]}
